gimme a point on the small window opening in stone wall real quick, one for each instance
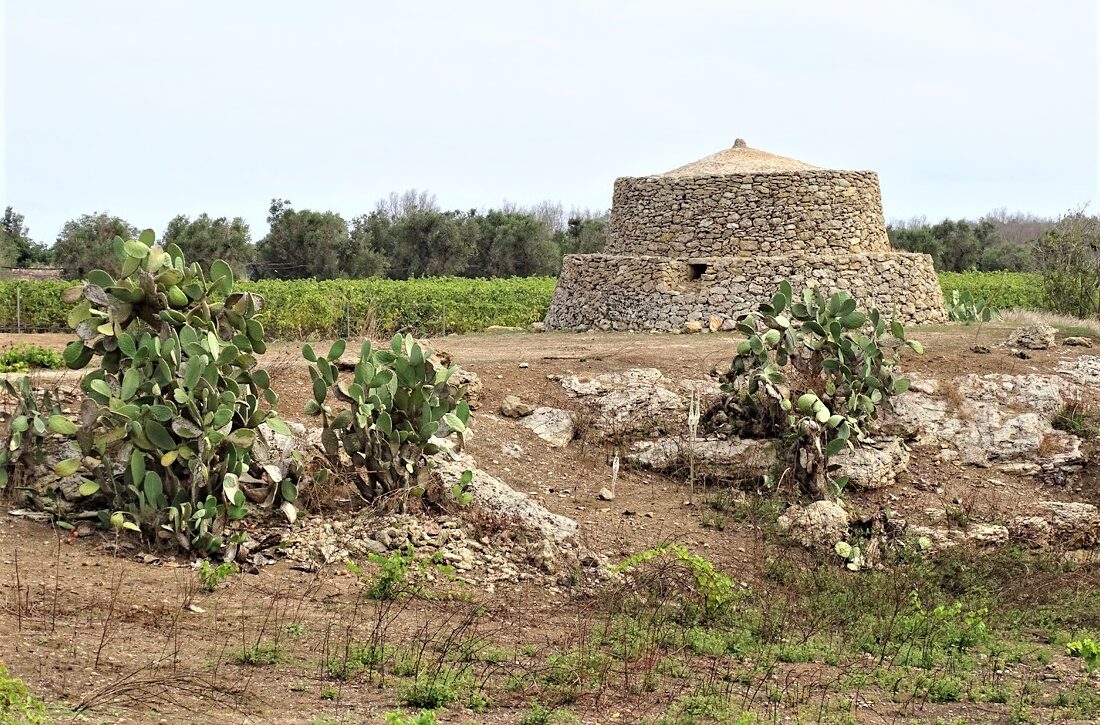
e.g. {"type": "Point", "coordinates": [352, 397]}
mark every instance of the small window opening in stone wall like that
{"type": "Point", "coordinates": [697, 270]}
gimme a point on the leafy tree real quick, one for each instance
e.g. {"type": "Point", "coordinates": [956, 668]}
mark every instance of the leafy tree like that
{"type": "Point", "coordinates": [957, 246]}
{"type": "Point", "coordinates": [428, 243]}
{"type": "Point", "coordinates": [304, 244]}
{"type": "Point", "coordinates": [17, 249]}
{"type": "Point", "coordinates": [370, 245]}
{"type": "Point", "coordinates": [510, 244]}
{"type": "Point", "coordinates": [87, 243]}
{"type": "Point", "coordinates": [1069, 259]}
{"type": "Point", "coordinates": [584, 234]}
{"type": "Point", "coordinates": [204, 240]}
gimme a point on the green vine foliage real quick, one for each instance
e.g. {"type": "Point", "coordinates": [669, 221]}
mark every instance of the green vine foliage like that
{"type": "Point", "coordinates": [718, 592]}
{"type": "Point", "coordinates": [815, 370]}
{"type": "Point", "coordinates": [173, 407]}
{"type": "Point", "coordinates": [389, 416]}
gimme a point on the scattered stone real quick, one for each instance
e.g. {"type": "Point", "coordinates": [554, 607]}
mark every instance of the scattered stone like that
{"type": "Point", "coordinates": [537, 327]}
{"type": "Point", "coordinates": [513, 407]}
{"type": "Point", "coordinates": [512, 450]}
{"type": "Point", "coordinates": [553, 425]}
{"type": "Point", "coordinates": [605, 494]}
{"type": "Point", "coordinates": [523, 366]}
{"type": "Point", "coordinates": [1077, 342]}
{"type": "Point", "coordinates": [1032, 337]}
{"type": "Point", "coordinates": [693, 326]}
{"type": "Point", "coordinates": [473, 384]}
{"type": "Point", "coordinates": [714, 323]}
{"type": "Point", "coordinates": [493, 329]}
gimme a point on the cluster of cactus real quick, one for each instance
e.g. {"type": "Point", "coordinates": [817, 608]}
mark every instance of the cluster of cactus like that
{"type": "Point", "coordinates": [174, 407]}
{"type": "Point", "coordinates": [816, 371]}
{"type": "Point", "coordinates": [35, 417]}
{"type": "Point", "coordinates": [388, 419]}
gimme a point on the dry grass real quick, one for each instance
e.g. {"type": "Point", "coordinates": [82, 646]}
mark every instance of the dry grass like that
{"type": "Point", "coordinates": [1064, 323]}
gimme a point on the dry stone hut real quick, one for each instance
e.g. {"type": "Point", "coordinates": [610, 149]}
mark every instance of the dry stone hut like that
{"type": "Point", "coordinates": [708, 241]}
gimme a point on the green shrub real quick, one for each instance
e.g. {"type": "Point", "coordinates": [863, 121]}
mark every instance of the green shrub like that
{"type": "Point", "coordinates": [176, 401]}
{"type": "Point", "coordinates": [1087, 649]}
{"type": "Point", "coordinates": [23, 357]}
{"type": "Point", "coordinates": [1069, 260]}
{"type": "Point", "coordinates": [211, 576]}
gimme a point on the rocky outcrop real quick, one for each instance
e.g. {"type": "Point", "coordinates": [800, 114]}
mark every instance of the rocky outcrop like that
{"type": "Point", "coordinates": [1032, 337]}
{"type": "Point", "coordinates": [873, 465]}
{"type": "Point", "coordinates": [986, 420]}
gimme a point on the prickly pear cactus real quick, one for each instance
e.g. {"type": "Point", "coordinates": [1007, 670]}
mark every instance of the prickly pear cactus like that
{"type": "Point", "coordinates": [816, 371]}
{"type": "Point", "coordinates": [173, 408]}
{"type": "Point", "coordinates": [387, 418]}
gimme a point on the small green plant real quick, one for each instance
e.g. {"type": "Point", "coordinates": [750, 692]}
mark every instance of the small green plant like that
{"type": "Point", "coordinates": [434, 690]}
{"type": "Point", "coordinates": [17, 704]}
{"type": "Point", "coordinates": [211, 576]}
{"type": "Point", "coordinates": [330, 693]}
{"type": "Point", "coordinates": [23, 357]}
{"type": "Point", "coordinates": [539, 714]}
{"type": "Point", "coordinates": [966, 308]}
{"type": "Point", "coordinates": [398, 401]}
{"type": "Point", "coordinates": [1087, 649]}
{"type": "Point", "coordinates": [852, 555]}
{"type": "Point", "coordinates": [718, 591]}
{"type": "Point", "coordinates": [295, 629]}
{"type": "Point", "coordinates": [261, 655]}
{"type": "Point", "coordinates": [424, 717]}
{"type": "Point", "coordinates": [814, 372]}
{"type": "Point", "coordinates": [400, 573]}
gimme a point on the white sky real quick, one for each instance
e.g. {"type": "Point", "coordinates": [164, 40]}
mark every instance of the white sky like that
{"type": "Point", "coordinates": [150, 108]}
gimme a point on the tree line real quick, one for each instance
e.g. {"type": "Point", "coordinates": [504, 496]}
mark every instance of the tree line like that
{"type": "Point", "coordinates": [406, 235]}
{"type": "Point", "coordinates": [998, 241]}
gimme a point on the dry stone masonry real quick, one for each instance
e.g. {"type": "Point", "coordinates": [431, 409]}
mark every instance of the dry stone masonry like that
{"type": "Point", "coordinates": [708, 241]}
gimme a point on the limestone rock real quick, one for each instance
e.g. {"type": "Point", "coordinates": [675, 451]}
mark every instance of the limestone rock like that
{"type": "Point", "coordinates": [493, 329]}
{"type": "Point", "coordinates": [495, 495]}
{"type": "Point", "coordinates": [714, 323]}
{"type": "Point", "coordinates": [1077, 342]}
{"type": "Point", "coordinates": [987, 534]}
{"type": "Point", "coordinates": [873, 466]}
{"type": "Point", "coordinates": [732, 459]}
{"type": "Point", "coordinates": [513, 407]}
{"type": "Point", "coordinates": [537, 327]}
{"type": "Point", "coordinates": [605, 494]}
{"type": "Point", "coordinates": [818, 526]}
{"type": "Point", "coordinates": [995, 419]}
{"type": "Point", "coordinates": [693, 326]}
{"type": "Point", "coordinates": [637, 397]}
{"type": "Point", "coordinates": [553, 425]}
{"type": "Point", "coordinates": [474, 386]}
{"type": "Point", "coordinates": [1032, 337]}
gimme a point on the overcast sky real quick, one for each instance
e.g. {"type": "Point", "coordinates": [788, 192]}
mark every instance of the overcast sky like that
{"type": "Point", "coordinates": [151, 108]}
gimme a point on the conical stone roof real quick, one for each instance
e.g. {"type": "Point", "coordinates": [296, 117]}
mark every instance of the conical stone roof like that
{"type": "Point", "coordinates": [740, 159]}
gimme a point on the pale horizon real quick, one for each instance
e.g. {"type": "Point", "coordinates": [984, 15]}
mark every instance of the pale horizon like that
{"type": "Point", "coordinates": [149, 110]}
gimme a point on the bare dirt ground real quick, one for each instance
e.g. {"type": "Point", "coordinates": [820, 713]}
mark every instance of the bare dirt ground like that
{"type": "Point", "coordinates": [111, 635]}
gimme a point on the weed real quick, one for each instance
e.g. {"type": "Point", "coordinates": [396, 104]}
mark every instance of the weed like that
{"type": "Point", "coordinates": [1087, 649]}
{"type": "Point", "coordinates": [1078, 418]}
{"type": "Point", "coordinates": [17, 704]}
{"type": "Point", "coordinates": [262, 655]}
{"type": "Point", "coordinates": [424, 717]}
{"type": "Point", "coordinates": [22, 357]}
{"type": "Point", "coordinates": [538, 714]}
{"type": "Point", "coordinates": [433, 691]}
{"type": "Point", "coordinates": [330, 693]}
{"type": "Point", "coordinates": [211, 576]}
